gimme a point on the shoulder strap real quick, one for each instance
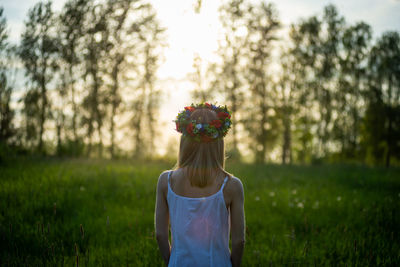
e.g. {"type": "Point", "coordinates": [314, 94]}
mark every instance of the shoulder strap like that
{"type": "Point", "coordinates": [223, 185]}
{"type": "Point", "coordinates": [169, 175]}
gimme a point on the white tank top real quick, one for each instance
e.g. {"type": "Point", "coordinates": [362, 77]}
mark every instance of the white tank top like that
{"type": "Point", "coordinates": [199, 229]}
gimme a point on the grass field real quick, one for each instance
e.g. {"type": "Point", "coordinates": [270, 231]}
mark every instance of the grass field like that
{"type": "Point", "coordinates": [101, 213]}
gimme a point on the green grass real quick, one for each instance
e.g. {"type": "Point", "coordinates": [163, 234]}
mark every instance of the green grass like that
{"type": "Point", "coordinates": [296, 215]}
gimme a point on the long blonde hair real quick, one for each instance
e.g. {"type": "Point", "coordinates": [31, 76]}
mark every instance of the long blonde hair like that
{"type": "Point", "coordinates": [201, 161]}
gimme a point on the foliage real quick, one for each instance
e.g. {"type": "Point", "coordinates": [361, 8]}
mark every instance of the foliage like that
{"type": "Point", "coordinates": [315, 93]}
{"type": "Point", "coordinates": [7, 52]}
{"type": "Point", "coordinates": [37, 49]}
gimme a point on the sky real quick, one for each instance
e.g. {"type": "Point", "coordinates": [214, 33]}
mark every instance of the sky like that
{"type": "Point", "coordinates": [190, 33]}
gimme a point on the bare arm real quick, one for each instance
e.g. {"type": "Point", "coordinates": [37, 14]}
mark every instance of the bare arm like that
{"type": "Point", "coordinates": [162, 218]}
{"type": "Point", "coordinates": [237, 222]}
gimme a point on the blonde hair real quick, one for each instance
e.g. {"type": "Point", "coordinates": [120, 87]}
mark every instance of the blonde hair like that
{"type": "Point", "coordinates": [201, 161]}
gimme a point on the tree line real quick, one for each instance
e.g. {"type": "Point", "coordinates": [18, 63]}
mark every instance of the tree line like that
{"type": "Point", "coordinates": [319, 90]}
{"type": "Point", "coordinates": [79, 63]}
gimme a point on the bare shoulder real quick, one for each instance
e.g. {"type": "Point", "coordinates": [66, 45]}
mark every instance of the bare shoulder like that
{"type": "Point", "coordinates": [163, 181]}
{"type": "Point", "coordinates": [234, 187]}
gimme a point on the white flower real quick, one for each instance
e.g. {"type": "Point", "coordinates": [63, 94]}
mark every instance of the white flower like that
{"type": "Point", "coordinates": [274, 204]}
{"type": "Point", "coordinates": [339, 198]}
{"type": "Point", "coordinates": [271, 194]}
{"type": "Point", "coordinates": [300, 205]}
{"type": "Point", "coordinates": [257, 198]}
{"type": "Point", "coordinates": [294, 191]}
{"type": "Point", "coordinates": [198, 126]}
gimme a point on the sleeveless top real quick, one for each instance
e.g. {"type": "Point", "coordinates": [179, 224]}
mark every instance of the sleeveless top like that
{"type": "Point", "coordinates": [199, 230]}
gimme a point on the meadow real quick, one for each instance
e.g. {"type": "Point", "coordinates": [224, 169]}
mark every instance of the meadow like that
{"type": "Point", "coordinates": [101, 213]}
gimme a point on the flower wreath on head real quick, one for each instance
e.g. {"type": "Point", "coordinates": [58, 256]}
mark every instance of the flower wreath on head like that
{"type": "Point", "coordinates": [204, 132]}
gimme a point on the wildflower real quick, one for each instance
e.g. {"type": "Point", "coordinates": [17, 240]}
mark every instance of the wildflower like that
{"type": "Point", "coordinates": [216, 123]}
{"type": "Point", "coordinates": [190, 109]}
{"type": "Point", "coordinates": [271, 194]}
{"type": "Point", "coordinates": [300, 205]}
{"type": "Point", "coordinates": [274, 204]}
{"type": "Point", "coordinates": [339, 198]}
{"type": "Point", "coordinates": [257, 198]}
{"type": "Point", "coordinates": [189, 129]}
{"type": "Point", "coordinates": [294, 191]}
{"type": "Point", "coordinates": [223, 115]}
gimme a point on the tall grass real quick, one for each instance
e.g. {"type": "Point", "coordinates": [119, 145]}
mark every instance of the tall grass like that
{"type": "Point", "coordinates": [101, 213]}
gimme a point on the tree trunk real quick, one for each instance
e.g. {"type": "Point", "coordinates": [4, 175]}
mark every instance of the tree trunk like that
{"type": "Point", "coordinates": [390, 126]}
{"type": "Point", "coordinates": [74, 106]}
{"type": "Point", "coordinates": [286, 147]}
{"type": "Point", "coordinates": [114, 106]}
{"type": "Point", "coordinates": [43, 108]}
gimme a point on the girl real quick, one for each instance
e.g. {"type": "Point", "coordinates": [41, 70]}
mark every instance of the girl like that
{"type": "Point", "coordinates": [199, 199]}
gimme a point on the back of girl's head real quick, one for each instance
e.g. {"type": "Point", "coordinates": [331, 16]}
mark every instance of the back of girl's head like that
{"type": "Point", "coordinates": [201, 160]}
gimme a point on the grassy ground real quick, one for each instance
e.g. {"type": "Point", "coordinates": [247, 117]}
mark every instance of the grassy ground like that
{"type": "Point", "coordinates": [103, 211]}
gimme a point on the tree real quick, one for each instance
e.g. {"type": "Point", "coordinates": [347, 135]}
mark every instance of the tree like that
{"type": "Point", "coordinates": [95, 47]}
{"type": "Point", "coordinates": [305, 42]}
{"type": "Point", "coordinates": [326, 72]}
{"type": "Point", "coordinates": [384, 94]}
{"type": "Point", "coordinates": [37, 51]}
{"type": "Point", "coordinates": [262, 26]}
{"type": "Point", "coordinates": [6, 85]}
{"type": "Point", "coordinates": [145, 105]}
{"type": "Point", "coordinates": [288, 93]}
{"type": "Point", "coordinates": [229, 78]}
{"type": "Point", "coordinates": [117, 28]}
{"type": "Point", "coordinates": [71, 32]}
{"type": "Point", "coordinates": [351, 88]}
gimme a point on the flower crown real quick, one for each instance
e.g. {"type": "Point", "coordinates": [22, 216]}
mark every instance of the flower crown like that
{"type": "Point", "coordinates": [204, 132]}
